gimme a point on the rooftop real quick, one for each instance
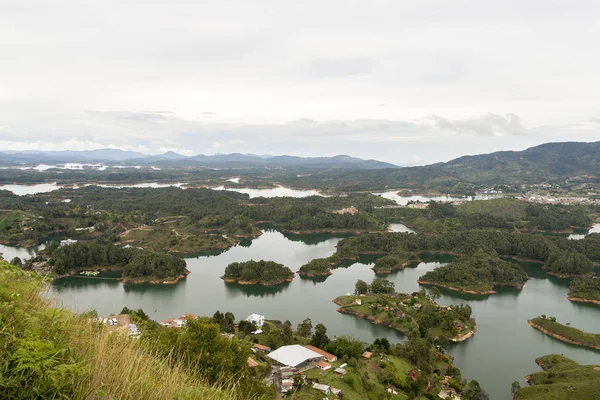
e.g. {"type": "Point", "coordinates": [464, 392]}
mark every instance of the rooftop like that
{"type": "Point", "coordinates": [325, 354]}
{"type": "Point", "coordinates": [293, 355]}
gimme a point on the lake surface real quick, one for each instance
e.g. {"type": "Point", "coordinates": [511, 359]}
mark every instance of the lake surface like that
{"type": "Point", "coordinates": [21, 190]}
{"type": "Point", "coordinates": [279, 191]}
{"type": "Point", "coordinates": [403, 200]}
{"type": "Point", "coordinates": [503, 350]}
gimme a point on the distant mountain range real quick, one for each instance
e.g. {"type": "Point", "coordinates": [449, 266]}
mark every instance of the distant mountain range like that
{"type": "Point", "coordinates": [235, 160]}
{"type": "Point", "coordinates": [550, 162]}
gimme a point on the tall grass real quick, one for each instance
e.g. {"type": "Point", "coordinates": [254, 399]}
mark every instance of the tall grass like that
{"type": "Point", "coordinates": [48, 352]}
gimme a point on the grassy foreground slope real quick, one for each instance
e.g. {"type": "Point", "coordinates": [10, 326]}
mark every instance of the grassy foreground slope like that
{"type": "Point", "coordinates": [48, 352]}
{"type": "Point", "coordinates": [562, 379]}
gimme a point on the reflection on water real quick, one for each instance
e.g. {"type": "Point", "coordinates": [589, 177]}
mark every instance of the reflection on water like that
{"type": "Point", "coordinates": [234, 289]}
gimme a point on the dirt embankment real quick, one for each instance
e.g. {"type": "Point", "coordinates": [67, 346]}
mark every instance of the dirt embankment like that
{"type": "Point", "coordinates": [258, 282]}
{"type": "Point", "coordinates": [580, 300]}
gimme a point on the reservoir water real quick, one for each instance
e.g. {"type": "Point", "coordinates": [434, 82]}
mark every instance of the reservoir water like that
{"type": "Point", "coordinates": [502, 351]}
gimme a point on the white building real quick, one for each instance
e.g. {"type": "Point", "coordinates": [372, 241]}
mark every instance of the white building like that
{"type": "Point", "coordinates": [295, 356]}
{"type": "Point", "coordinates": [256, 319]}
{"type": "Point", "coordinates": [67, 242]}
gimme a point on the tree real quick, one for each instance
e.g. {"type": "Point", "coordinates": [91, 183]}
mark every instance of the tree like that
{"type": "Point", "coordinates": [474, 392]}
{"type": "Point", "coordinates": [17, 262]}
{"type": "Point", "coordinates": [228, 323]}
{"type": "Point", "coordinates": [361, 287]}
{"type": "Point", "coordinates": [379, 286]}
{"type": "Point", "coordinates": [515, 388]}
{"type": "Point", "coordinates": [319, 338]}
{"type": "Point", "coordinates": [305, 328]}
{"type": "Point", "coordinates": [434, 293]}
{"type": "Point", "coordinates": [288, 335]}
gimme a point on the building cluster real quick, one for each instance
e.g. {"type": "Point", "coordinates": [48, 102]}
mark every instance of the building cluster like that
{"type": "Point", "coordinates": [177, 322]}
{"type": "Point", "coordinates": [349, 210]}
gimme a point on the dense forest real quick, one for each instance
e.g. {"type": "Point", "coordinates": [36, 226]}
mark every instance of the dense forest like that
{"type": "Point", "coordinates": [258, 272]}
{"type": "Point", "coordinates": [479, 273]}
{"type": "Point", "coordinates": [569, 263]}
{"type": "Point", "coordinates": [528, 246]}
{"type": "Point", "coordinates": [175, 219]}
{"type": "Point", "coordinates": [510, 214]}
{"type": "Point", "coordinates": [585, 289]}
{"type": "Point", "coordinates": [316, 267]}
{"type": "Point", "coordinates": [135, 263]}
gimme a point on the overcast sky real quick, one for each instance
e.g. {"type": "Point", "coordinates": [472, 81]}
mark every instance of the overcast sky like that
{"type": "Point", "coordinates": [410, 82]}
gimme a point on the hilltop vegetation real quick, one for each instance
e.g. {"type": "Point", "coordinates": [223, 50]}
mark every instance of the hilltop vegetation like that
{"type": "Point", "coordinates": [316, 267]}
{"type": "Point", "coordinates": [134, 263]}
{"type": "Point", "coordinates": [415, 313]}
{"type": "Point", "coordinates": [585, 289]}
{"type": "Point", "coordinates": [478, 273]}
{"type": "Point", "coordinates": [509, 214]}
{"type": "Point", "coordinates": [535, 247]}
{"type": "Point", "coordinates": [258, 272]}
{"type": "Point", "coordinates": [564, 333]}
{"type": "Point", "coordinates": [48, 352]}
{"type": "Point", "coordinates": [562, 379]}
{"type": "Point", "coordinates": [174, 219]}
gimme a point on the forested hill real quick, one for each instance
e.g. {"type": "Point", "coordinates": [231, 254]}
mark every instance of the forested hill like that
{"type": "Point", "coordinates": [550, 162]}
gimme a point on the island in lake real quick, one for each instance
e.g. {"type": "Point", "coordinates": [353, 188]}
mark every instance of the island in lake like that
{"type": "Point", "coordinates": [561, 378]}
{"type": "Point", "coordinates": [408, 313]}
{"type": "Point", "coordinates": [564, 333]}
{"type": "Point", "coordinates": [266, 273]}
{"type": "Point", "coordinates": [585, 290]}
{"type": "Point", "coordinates": [393, 262]}
{"type": "Point", "coordinates": [316, 267]}
{"type": "Point", "coordinates": [476, 274]}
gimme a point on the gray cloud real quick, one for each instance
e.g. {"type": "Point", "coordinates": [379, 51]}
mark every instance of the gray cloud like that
{"type": "Point", "coordinates": [305, 78]}
{"type": "Point", "coordinates": [488, 125]}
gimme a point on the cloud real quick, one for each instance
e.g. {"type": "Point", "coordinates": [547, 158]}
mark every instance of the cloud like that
{"type": "Point", "coordinates": [340, 67]}
{"type": "Point", "coordinates": [488, 125]}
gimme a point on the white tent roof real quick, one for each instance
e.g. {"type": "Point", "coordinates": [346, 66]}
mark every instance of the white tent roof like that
{"type": "Point", "coordinates": [293, 355]}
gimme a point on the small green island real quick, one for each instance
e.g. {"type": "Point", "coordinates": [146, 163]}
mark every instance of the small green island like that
{"type": "Point", "coordinates": [564, 333]}
{"type": "Point", "coordinates": [585, 290]}
{"type": "Point", "coordinates": [408, 313]}
{"type": "Point", "coordinates": [316, 267]}
{"type": "Point", "coordinates": [265, 273]}
{"type": "Point", "coordinates": [136, 265]}
{"type": "Point", "coordinates": [561, 378]}
{"type": "Point", "coordinates": [569, 264]}
{"type": "Point", "coordinates": [476, 274]}
{"type": "Point", "coordinates": [393, 262]}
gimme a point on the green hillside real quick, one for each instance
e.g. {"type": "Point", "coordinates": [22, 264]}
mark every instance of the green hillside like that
{"type": "Point", "coordinates": [48, 352]}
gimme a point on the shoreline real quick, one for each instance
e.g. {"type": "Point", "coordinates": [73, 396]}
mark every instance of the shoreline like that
{"type": "Point", "coordinates": [313, 274]}
{"type": "Point", "coordinates": [257, 282]}
{"type": "Point", "coordinates": [582, 300]}
{"type": "Point", "coordinates": [455, 289]}
{"type": "Point", "coordinates": [155, 281]}
{"type": "Point", "coordinates": [560, 337]}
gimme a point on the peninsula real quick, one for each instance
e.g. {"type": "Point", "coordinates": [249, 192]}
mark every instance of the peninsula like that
{"type": "Point", "coordinates": [265, 273]}
{"type": "Point", "coordinates": [408, 313]}
{"type": "Point", "coordinates": [564, 333]}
